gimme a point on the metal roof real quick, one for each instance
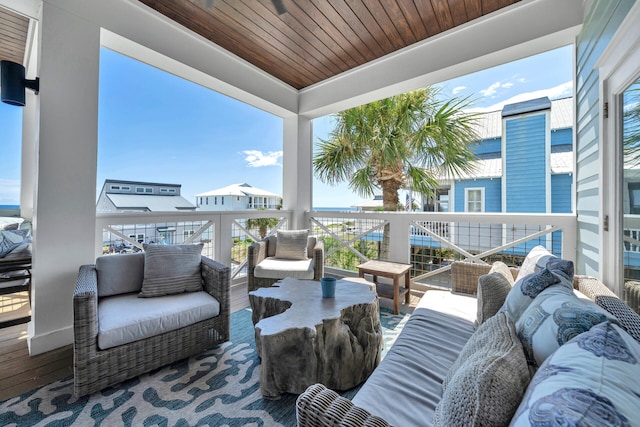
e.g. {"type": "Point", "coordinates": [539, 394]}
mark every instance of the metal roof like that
{"type": "Point", "coordinates": [150, 202]}
{"type": "Point", "coordinates": [238, 190]}
{"type": "Point", "coordinates": [530, 106]}
{"type": "Point", "coordinates": [120, 181]}
{"type": "Point", "coordinates": [492, 168]}
{"type": "Point", "coordinates": [489, 125]}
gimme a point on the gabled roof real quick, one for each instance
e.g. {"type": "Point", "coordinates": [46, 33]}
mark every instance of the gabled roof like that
{"type": "Point", "coordinates": [150, 202]}
{"type": "Point", "coordinates": [489, 125]}
{"type": "Point", "coordinates": [238, 190]}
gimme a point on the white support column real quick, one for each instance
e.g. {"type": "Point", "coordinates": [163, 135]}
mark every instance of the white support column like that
{"type": "Point", "coordinates": [65, 183]}
{"type": "Point", "coordinates": [400, 245]}
{"type": "Point", "coordinates": [225, 238]}
{"type": "Point", "coordinates": [30, 117]}
{"type": "Point", "coordinates": [297, 169]}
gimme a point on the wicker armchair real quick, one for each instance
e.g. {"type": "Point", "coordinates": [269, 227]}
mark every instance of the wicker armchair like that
{"type": "Point", "coordinates": [95, 369]}
{"type": "Point", "coordinates": [259, 251]}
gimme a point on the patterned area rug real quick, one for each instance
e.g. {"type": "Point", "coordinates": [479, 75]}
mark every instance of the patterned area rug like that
{"type": "Point", "coordinates": [217, 388]}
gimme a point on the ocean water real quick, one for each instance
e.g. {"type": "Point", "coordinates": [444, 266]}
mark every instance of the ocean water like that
{"type": "Point", "coordinates": [9, 210]}
{"type": "Point", "coordinates": [350, 209]}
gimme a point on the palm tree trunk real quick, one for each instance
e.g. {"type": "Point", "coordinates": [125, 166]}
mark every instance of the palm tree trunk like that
{"type": "Point", "coordinates": [390, 203]}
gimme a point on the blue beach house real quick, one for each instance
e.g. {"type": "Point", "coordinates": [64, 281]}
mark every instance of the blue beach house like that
{"type": "Point", "coordinates": [525, 165]}
{"type": "Point", "coordinates": [525, 162]}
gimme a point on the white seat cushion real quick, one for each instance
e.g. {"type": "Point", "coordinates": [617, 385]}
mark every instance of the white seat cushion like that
{"type": "Point", "coordinates": [126, 318]}
{"type": "Point", "coordinates": [277, 268]}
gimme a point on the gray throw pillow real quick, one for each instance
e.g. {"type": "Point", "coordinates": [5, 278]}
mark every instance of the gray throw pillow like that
{"type": "Point", "coordinates": [292, 244]}
{"type": "Point", "coordinates": [171, 269]}
{"type": "Point", "coordinates": [493, 289]}
{"type": "Point", "coordinates": [486, 383]}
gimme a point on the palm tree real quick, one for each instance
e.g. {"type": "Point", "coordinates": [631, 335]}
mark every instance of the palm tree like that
{"type": "Point", "coordinates": [406, 141]}
{"type": "Point", "coordinates": [262, 224]}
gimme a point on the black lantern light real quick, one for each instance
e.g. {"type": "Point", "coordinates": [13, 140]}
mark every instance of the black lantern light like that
{"type": "Point", "coordinates": [13, 83]}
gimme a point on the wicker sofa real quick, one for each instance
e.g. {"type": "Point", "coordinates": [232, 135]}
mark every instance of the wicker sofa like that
{"type": "Point", "coordinates": [96, 368]}
{"type": "Point", "coordinates": [407, 386]}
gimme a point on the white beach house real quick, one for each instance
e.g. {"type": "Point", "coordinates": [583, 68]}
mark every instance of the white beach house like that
{"type": "Point", "coordinates": [236, 197]}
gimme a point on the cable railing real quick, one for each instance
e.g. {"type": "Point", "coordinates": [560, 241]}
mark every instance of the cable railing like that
{"type": "Point", "coordinates": [429, 241]}
{"type": "Point", "coordinates": [225, 235]}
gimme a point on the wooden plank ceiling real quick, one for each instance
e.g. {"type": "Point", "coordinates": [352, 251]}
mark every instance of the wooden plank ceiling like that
{"type": "Point", "coordinates": [303, 42]}
{"type": "Point", "coordinates": [13, 36]}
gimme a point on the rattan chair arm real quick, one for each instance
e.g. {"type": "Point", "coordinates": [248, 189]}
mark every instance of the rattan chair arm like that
{"type": "Point", "coordinates": [464, 276]}
{"type": "Point", "coordinates": [318, 407]}
{"type": "Point", "coordinates": [256, 253]}
{"type": "Point", "coordinates": [216, 279]}
{"type": "Point", "coordinates": [85, 309]}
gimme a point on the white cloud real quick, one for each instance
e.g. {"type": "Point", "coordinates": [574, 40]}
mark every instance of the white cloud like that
{"type": "Point", "coordinates": [490, 90]}
{"type": "Point", "coordinates": [493, 89]}
{"type": "Point", "coordinates": [257, 159]}
{"type": "Point", "coordinates": [9, 192]}
{"type": "Point", "coordinates": [458, 89]}
{"type": "Point", "coordinates": [560, 91]}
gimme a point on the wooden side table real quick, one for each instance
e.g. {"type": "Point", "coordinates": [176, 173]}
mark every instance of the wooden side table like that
{"type": "Point", "coordinates": [394, 271]}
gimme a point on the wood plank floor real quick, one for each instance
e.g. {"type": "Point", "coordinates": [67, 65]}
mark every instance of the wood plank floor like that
{"type": "Point", "coordinates": [20, 372]}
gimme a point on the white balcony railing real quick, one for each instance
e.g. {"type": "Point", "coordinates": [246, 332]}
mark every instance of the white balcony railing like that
{"type": "Point", "coordinates": [225, 234]}
{"type": "Point", "coordinates": [428, 241]}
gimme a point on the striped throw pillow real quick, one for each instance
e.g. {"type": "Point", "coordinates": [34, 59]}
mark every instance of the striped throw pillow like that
{"type": "Point", "coordinates": [171, 269]}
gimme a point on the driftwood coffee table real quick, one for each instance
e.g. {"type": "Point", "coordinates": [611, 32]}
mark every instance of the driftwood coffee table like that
{"type": "Point", "coordinates": [304, 339]}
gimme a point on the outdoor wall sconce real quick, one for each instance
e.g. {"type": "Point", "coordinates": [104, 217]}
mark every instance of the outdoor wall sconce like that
{"type": "Point", "coordinates": [13, 83]}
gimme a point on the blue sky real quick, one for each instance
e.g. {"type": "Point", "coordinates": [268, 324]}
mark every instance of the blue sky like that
{"type": "Point", "coordinates": [156, 127]}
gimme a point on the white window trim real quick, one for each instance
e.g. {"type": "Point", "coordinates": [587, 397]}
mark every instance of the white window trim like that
{"type": "Point", "coordinates": [618, 68]}
{"type": "Point", "coordinates": [466, 197]}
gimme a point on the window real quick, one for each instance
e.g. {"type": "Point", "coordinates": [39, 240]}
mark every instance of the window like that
{"type": "Point", "coordinates": [164, 190]}
{"type": "Point", "coordinates": [474, 200]}
{"type": "Point", "coordinates": [115, 187]}
{"type": "Point", "coordinates": [634, 198]}
{"type": "Point", "coordinates": [222, 200]}
{"type": "Point", "coordinates": [139, 189]}
{"type": "Point", "coordinates": [148, 190]}
{"type": "Point", "coordinates": [125, 188]}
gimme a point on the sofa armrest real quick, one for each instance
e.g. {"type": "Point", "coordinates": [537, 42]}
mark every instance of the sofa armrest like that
{"type": "Point", "coordinates": [591, 287]}
{"type": "Point", "coordinates": [85, 311]}
{"type": "Point", "coordinates": [216, 280]}
{"type": "Point", "coordinates": [318, 260]}
{"type": "Point", "coordinates": [605, 298]}
{"type": "Point", "coordinates": [319, 406]}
